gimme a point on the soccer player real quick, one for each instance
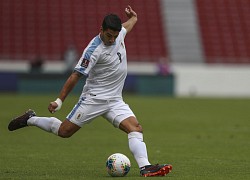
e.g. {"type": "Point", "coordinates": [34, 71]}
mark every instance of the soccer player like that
{"type": "Point", "coordinates": [104, 63]}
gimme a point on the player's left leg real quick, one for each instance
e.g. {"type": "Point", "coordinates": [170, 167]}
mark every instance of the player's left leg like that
{"type": "Point", "coordinates": [122, 117]}
{"type": "Point", "coordinates": [138, 148]}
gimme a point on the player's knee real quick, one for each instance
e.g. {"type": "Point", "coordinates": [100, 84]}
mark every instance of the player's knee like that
{"type": "Point", "coordinates": [130, 125]}
{"type": "Point", "coordinates": [139, 128]}
{"type": "Point", "coordinates": [135, 128]}
{"type": "Point", "coordinates": [67, 129]}
{"type": "Point", "coordinates": [64, 133]}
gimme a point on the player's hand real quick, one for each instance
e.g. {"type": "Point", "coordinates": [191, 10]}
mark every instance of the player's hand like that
{"type": "Point", "coordinates": [130, 12]}
{"type": "Point", "coordinates": [52, 107]}
{"type": "Point", "coordinates": [55, 105]}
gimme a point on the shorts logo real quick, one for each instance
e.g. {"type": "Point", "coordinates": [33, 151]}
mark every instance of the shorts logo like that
{"type": "Point", "coordinates": [78, 117]}
{"type": "Point", "coordinates": [85, 63]}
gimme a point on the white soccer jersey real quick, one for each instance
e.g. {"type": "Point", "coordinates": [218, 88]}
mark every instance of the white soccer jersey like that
{"type": "Point", "coordinates": [105, 68]}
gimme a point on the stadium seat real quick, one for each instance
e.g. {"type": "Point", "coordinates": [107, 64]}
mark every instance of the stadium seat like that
{"type": "Point", "coordinates": [46, 28]}
{"type": "Point", "coordinates": [225, 30]}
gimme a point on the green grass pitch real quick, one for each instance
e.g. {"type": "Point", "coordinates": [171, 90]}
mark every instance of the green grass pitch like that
{"type": "Point", "coordinates": [202, 138]}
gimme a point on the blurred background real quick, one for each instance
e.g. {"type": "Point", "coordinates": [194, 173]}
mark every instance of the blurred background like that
{"type": "Point", "coordinates": [177, 48]}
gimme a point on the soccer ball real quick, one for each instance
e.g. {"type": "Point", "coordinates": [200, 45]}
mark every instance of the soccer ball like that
{"type": "Point", "coordinates": [118, 165]}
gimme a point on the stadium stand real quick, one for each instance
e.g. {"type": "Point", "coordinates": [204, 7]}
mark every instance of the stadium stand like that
{"type": "Point", "coordinates": [43, 29]}
{"type": "Point", "coordinates": [225, 30]}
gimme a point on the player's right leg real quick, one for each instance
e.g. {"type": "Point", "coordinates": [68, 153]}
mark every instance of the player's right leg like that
{"type": "Point", "coordinates": [67, 129]}
{"type": "Point", "coordinates": [21, 121]}
{"type": "Point", "coordinates": [80, 115]}
{"type": "Point", "coordinates": [50, 124]}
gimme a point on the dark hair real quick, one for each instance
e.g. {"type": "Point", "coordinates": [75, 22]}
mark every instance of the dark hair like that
{"type": "Point", "coordinates": [113, 22]}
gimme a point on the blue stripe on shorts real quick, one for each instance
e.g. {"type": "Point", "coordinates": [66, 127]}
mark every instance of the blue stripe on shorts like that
{"type": "Point", "coordinates": [75, 109]}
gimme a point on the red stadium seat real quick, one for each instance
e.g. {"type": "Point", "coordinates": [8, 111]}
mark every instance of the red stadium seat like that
{"type": "Point", "coordinates": [46, 28]}
{"type": "Point", "coordinates": [225, 29]}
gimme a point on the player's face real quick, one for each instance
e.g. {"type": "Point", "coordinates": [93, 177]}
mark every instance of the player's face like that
{"type": "Point", "coordinates": [109, 36]}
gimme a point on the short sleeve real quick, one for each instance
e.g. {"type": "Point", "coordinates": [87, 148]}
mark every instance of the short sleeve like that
{"type": "Point", "coordinates": [123, 31]}
{"type": "Point", "coordinates": [89, 57]}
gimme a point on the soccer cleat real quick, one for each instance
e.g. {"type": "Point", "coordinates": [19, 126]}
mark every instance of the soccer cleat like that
{"type": "Point", "coordinates": [21, 121]}
{"type": "Point", "coordinates": [155, 170]}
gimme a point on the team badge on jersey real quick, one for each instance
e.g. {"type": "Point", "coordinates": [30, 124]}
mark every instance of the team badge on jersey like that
{"type": "Point", "coordinates": [85, 63]}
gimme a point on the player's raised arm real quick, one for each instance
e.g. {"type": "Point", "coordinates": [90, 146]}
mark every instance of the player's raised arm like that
{"type": "Point", "coordinates": [131, 14]}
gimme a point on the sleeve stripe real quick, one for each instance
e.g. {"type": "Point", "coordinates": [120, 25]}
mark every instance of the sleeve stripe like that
{"type": "Point", "coordinates": [96, 42]}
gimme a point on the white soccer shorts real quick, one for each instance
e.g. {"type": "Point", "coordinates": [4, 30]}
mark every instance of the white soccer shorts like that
{"type": "Point", "coordinates": [86, 110]}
